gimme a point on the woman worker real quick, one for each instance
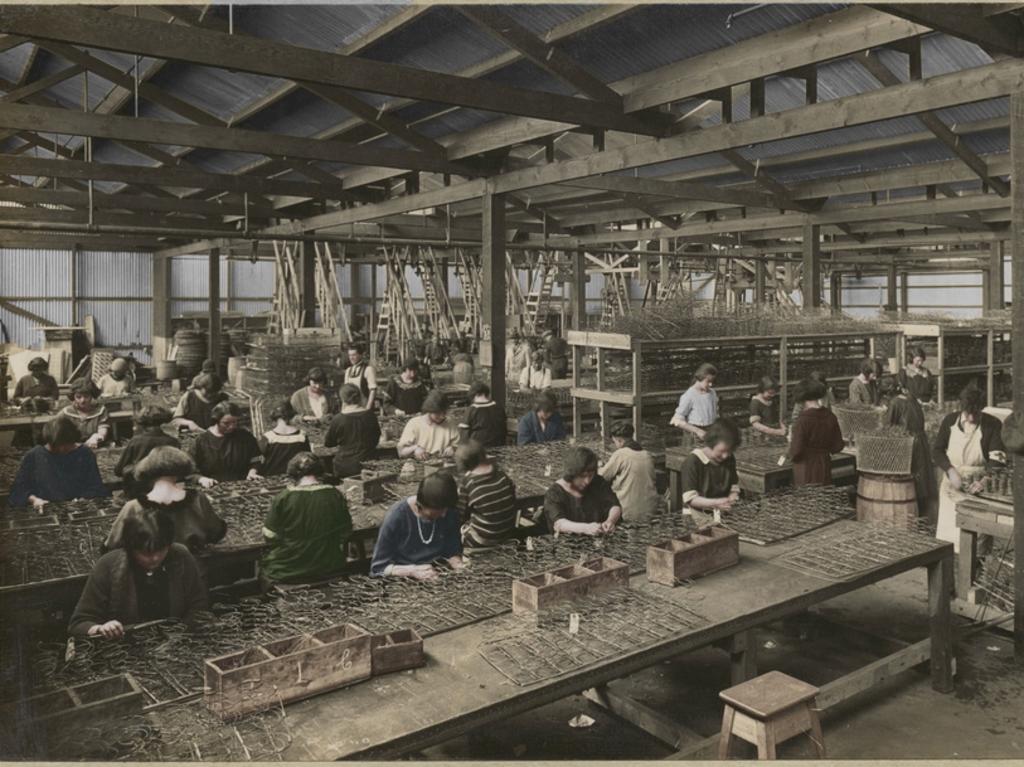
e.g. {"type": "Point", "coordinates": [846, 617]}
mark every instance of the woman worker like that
{"type": "Point", "coordinates": [118, 381]}
{"type": "Point", "coordinates": [581, 502]}
{"type": "Point", "coordinates": [149, 435]}
{"type": "Point", "coordinates": [698, 405]}
{"type": "Point", "coordinates": [361, 374]}
{"type": "Point", "coordinates": [355, 431]}
{"type": "Point", "coordinates": [38, 383]}
{"type": "Point", "coordinates": [816, 436]}
{"type": "Point", "coordinates": [905, 411]}
{"type": "Point", "coordinates": [915, 378]}
{"type": "Point", "coordinates": [543, 423]}
{"type": "Point", "coordinates": [709, 479]}
{"type": "Point", "coordinates": [59, 470]}
{"type": "Point", "coordinates": [196, 405]}
{"type": "Point", "coordinates": [485, 419]}
{"type": "Point", "coordinates": [282, 443]}
{"type": "Point", "coordinates": [537, 375]}
{"type": "Point", "coordinates": [89, 416]}
{"type": "Point", "coordinates": [826, 402]}
{"type": "Point", "coordinates": [313, 402]}
{"type": "Point", "coordinates": [149, 578]}
{"type": "Point", "coordinates": [405, 392]}
{"type": "Point", "coordinates": [226, 452]}
{"type": "Point", "coordinates": [630, 470]}
{"type": "Point", "coordinates": [421, 530]}
{"type": "Point", "coordinates": [161, 475]}
{"type": "Point", "coordinates": [307, 527]}
{"type": "Point", "coordinates": [764, 409]}
{"type": "Point", "coordinates": [487, 498]}
{"type": "Point", "coordinates": [968, 441]}
{"type": "Point", "coordinates": [864, 386]}
{"type": "Point", "coordinates": [430, 434]}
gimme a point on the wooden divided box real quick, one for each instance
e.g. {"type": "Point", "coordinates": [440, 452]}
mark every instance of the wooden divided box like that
{"type": "Point", "coordinates": [539, 592]}
{"type": "Point", "coordinates": [79, 706]}
{"type": "Point", "coordinates": [368, 487]}
{"type": "Point", "coordinates": [397, 651]}
{"type": "Point", "coordinates": [698, 553]}
{"type": "Point", "coordinates": [287, 670]}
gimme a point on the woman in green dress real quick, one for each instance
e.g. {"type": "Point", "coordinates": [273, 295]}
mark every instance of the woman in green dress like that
{"type": "Point", "coordinates": [307, 527]}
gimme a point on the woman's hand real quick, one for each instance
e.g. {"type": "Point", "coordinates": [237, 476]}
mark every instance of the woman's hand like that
{"type": "Point", "coordinates": [253, 474]}
{"type": "Point", "coordinates": [593, 528]}
{"type": "Point", "coordinates": [724, 503]}
{"type": "Point", "coordinates": [701, 434]}
{"type": "Point", "coordinates": [399, 412]}
{"type": "Point", "coordinates": [108, 630]}
{"type": "Point", "coordinates": [448, 452]}
{"type": "Point", "coordinates": [422, 572]}
{"type": "Point", "coordinates": [310, 418]}
{"type": "Point", "coordinates": [457, 562]}
{"type": "Point", "coordinates": [954, 478]}
{"type": "Point", "coordinates": [976, 487]}
{"type": "Point", "coordinates": [37, 502]}
{"type": "Point", "coordinates": [207, 482]}
{"type": "Point", "coordinates": [420, 454]}
{"type": "Point", "coordinates": [608, 526]}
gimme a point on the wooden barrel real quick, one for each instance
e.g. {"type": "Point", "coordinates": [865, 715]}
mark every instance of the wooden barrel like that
{"type": "Point", "coordinates": [191, 351]}
{"type": "Point", "coordinates": [887, 499]}
{"type": "Point", "coordinates": [166, 370]}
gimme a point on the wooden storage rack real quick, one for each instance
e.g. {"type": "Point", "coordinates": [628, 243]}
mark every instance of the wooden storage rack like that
{"type": "Point", "coordinates": [787, 358]}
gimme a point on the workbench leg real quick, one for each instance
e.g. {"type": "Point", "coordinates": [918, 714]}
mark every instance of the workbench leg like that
{"type": "Point", "coordinates": [742, 657]}
{"type": "Point", "coordinates": [675, 490]}
{"type": "Point", "coordinates": [965, 564]}
{"type": "Point", "coordinates": [940, 581]}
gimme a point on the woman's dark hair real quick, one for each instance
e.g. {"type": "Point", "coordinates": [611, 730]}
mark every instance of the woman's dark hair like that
{"type": "Point", "coordinates": [869, 366]}
{"type": "Point", "coordinates": [479, 389]}
{"type": "Point", "coordinates": [435, 402]}
{"type": "Point", "coordinates": [438, 491]}
{"type": "Point", "coordinates": [579, 460]}
{"type": "Point", "coordinates": [316, 375]}
{"type": "Point", "coordinates": [411, 364]}
{"type": "Point", "coordinates": [469, 455]}
{"type": "Point", "coordinates": [705, 370]}
{"type": "Point", "coordinates": [819, 376]}
{"type": "Point", "coordinates": [811, 389]}
{"type": "Point", "coordinates": [283, 410]}
{"type": "Point", "coordinates": [209, 366]}
{"type": "Point", "coordinates": [545, 401]}
{"type": "Point", "coordinates": [83, 386]}
{"type": "Point", "coordinates": [918, 351]}
{"type": "Point", "coordinates": [149, 530]}
{"type": "Point", "coordinates": [225, 408]}
{"type": "Point", "coordinates": [350, 395]}
{"type": "Point", "coordinates": [61, 431]}
{"type": "Point", "coordinates": [210, 382]}
{"type": "Point", "coordinates": [164, 461]}
{"type": "Point", "coordinates": [354, 346]}
{"type": "Point", "coordinates": [972, 400]}
{"type": "Point", "coordinates": [622, 430]}
{"type": "Point", "coordinates": [152, 416]}
{"type": "Point", "coordinates": [767, 384]}
{"type": "Point", "coordinates": [303, 465]}
{"type": "Point", "coordinates": [38, 363]}
{"type": "Point", "coordinates": [723, 431]}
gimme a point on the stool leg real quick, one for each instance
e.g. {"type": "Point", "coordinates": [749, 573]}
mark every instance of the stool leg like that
{"type": "Point", "coordinates": [817, 737]}
{"type": "Point", "coordinates": [765, 740]}
{"type": "Point", "coordinates": [725, 740]}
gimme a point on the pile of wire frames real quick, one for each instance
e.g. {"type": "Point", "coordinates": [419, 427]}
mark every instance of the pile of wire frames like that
{"type": "Point", "coordinates": [786, 513]}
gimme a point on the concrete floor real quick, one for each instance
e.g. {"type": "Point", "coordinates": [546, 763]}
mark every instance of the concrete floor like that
{"type": "Point", "coordinates": [905, 719]}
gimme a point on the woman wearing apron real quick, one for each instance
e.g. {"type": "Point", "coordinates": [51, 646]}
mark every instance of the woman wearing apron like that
{"type": "Point", "coordinates": [967, 443]}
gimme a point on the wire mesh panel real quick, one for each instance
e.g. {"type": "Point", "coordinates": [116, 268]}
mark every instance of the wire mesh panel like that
{"type": "Point", "coordinates": [845, 552]}
{"type": "Point", "coordinates": [531, 649]}
{"type": "Point", "coordinates": [854, 419]}
{"type": "Point", "coordinates": [889, 451]}
{"type": "Point", "coordinates": [787, 513]}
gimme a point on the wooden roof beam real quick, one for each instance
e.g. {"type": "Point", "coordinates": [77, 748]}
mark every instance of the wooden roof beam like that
{"type": "Point", "coordinates": [966, 21]}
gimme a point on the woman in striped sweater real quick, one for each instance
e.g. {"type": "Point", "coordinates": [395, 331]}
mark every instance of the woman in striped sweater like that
{"type": "Point", "coordinates": [487, 498]}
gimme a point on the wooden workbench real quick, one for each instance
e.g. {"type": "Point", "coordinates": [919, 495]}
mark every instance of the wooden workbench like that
{"type": "Point", "coordinates": [976, 516]}
{"type": "Point", "coordinates": [753, 478]}
{"type": "Point", "coordinates": [458, 690]}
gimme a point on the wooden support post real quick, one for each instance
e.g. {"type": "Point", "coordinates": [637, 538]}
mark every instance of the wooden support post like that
{"type": "Point", "coordinates": [73, 274]}
{"type": "Point", "coordinates": [759, 280]}
{"type": "Point", "coordinates": [757, 100]}
{"type": "Point", "coordinates": [579, 290]}
{"type": "Point", "coordinates": [213, 294]}
{"type": "Point", "coordinates": [307, 283]}
{"type": "Point", "coordinates": [492, 257]}
{"type": "Point", "coordinates": [904, 292]}
{"type": "Point", "coordinates": [161, 319]}
{"type": "Point", "coordinates": [742, 650]}
{"type": "Point", "coordinates": [891, 302]}
{"type": "Point", "coordinates": [940, 592]}
{"type": "Point", "coordinates": [996, 281]}
{"type": "Point", "coordinates": [1017, 340]}
{"type": "Point", "coordinates": [990, 373]}
{"type": "Point", "coordinates": [836, 291]}
{"type": "Point", "coordinates": [811, 281]}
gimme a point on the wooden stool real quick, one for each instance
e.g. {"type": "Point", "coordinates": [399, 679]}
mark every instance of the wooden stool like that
{"type": "Point", "coordinates": [769, 710]}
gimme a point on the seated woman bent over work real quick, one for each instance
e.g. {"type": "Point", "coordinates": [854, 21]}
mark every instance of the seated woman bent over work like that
{"type": "Point", "coordinates": [709, 478]}
{"type": "Point", "coordinates": [421, 530]}
{"type": "Point", "coordinates": [582, 501]}
{"type": "Point", "coordinates": [60, 470]}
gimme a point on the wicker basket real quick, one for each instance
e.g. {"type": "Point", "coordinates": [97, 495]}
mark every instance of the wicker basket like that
{"type": "Point", "coordinates": [884, 453]}
{"type": "Point", "coordinates": [854, 420]}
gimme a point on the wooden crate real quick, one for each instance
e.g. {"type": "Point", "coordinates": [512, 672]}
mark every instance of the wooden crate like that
{"type": "Point", "coordinates": [287, 670]}
{"type": "Point", "coordinates": [698, 553]}
{"type": "Point", "coordinates": [396, 651]}
{"type": "Point", "coordinates": [368, 487]}
{"type": "Point", "coordinates": [72, 707]}
{"type": "Point", "coordinates": [539, 592]}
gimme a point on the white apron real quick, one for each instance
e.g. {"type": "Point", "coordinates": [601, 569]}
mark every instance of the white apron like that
{"type": "Point", "coordinates": [965, 455]}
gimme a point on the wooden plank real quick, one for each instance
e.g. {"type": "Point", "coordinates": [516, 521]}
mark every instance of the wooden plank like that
{"type": "Point", "coordinates": [22, 117]}
{"type": "Point", "coordinates": [653, 722]}
{"type": "Point", "coordinates": [682, 190]}
{"type": "Point", "coordinates": [15, 309]}
{"type": "Point", "coordinates": [594, 338]}
{"type": "Point", "coordinates": [940, 591]}
{"type": "Point", "coordinates": [42, 84]}
{"type": "Point", "coordinates": [102, 201]}
{"type": "Point", "coordinates": [603, 396]}
{"type": "Point", "coordinates": [97, 29]}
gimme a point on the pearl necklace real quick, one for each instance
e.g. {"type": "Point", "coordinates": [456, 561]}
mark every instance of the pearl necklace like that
{"type": "Point", "coordinates": [419, 529]}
